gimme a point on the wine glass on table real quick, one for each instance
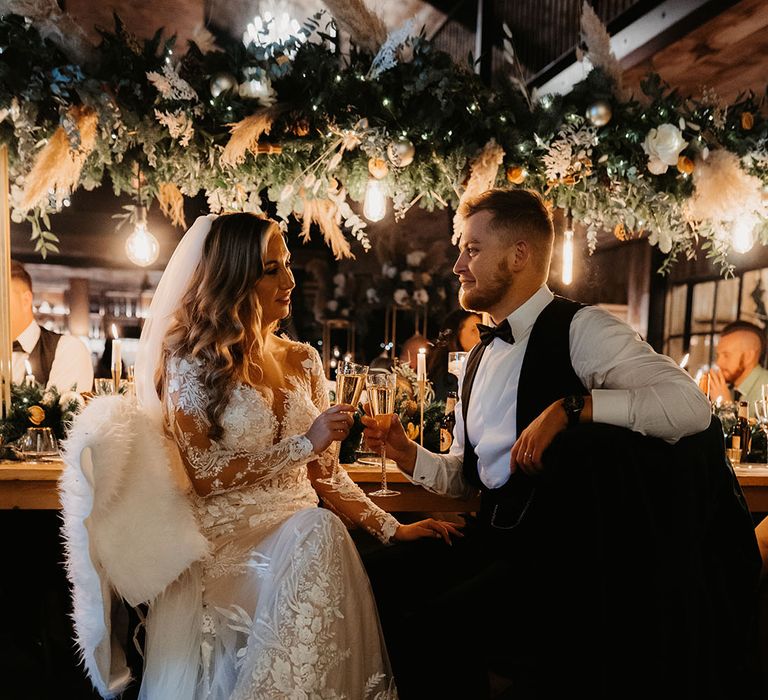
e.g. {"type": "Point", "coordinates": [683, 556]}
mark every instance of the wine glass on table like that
{"type": "Point", "coordinates": [350, 382]}
{"type": "Point", "coordinates": [381, 398]}
{"type": "Point", "coordinates": [456, 362]}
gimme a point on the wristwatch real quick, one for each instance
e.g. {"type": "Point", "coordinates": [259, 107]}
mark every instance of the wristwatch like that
{"type": "Point", "coordinates": [573, 406]}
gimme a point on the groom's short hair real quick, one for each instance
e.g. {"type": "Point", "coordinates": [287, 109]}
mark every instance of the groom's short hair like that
{"type": "Point", "coordinates": [516, 214]}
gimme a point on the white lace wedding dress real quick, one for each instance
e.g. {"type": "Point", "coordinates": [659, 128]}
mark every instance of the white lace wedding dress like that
{"type": "Point", "coordinates": [282, 607]}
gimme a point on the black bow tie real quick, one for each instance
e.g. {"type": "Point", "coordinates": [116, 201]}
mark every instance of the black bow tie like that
{"type": "Point", "coordinates": [17, 346]}
{"type": "Point", "coordinates": [502, 331]}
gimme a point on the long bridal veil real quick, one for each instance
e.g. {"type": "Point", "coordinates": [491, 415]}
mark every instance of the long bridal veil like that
{"type": "Point", "coordinates": [172, 653]}
{"type": "Point", "coordinates": [165, 301]}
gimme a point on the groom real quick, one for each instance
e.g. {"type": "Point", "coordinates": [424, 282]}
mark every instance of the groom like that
{"type": "Point", "coordinates": [529, 569]}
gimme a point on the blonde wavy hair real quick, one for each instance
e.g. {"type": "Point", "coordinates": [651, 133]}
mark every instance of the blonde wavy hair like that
{"type": "Point", "coordinates": [220, 319]}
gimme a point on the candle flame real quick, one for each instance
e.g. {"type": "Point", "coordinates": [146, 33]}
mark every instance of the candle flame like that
{"type": "Point", "coordinates": [114, 332]}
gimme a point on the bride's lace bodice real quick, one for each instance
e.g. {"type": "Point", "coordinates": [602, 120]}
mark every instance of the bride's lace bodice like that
{"type": "Point", "coordinates": [258, 468]}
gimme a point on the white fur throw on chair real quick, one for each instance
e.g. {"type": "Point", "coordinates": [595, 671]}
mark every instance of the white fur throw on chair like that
{"type": "Point", "coordinates": [129, 528]}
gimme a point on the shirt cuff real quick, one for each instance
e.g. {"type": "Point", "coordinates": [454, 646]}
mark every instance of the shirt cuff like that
{"type": "Point", "coordinates": [611, 406]}
{"type": "Point", "coordinates": [425, 469]}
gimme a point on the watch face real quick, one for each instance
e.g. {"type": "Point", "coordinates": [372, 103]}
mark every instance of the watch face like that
{"type": "Point", "coordinates": [573, 404]}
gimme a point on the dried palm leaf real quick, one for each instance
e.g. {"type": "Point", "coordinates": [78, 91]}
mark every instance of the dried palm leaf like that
{"type": "Point", "coordinates": [325, 214]}
{"type": "Point", "coordinates": [598, 42]}
{"type": "Point", "coordinates": [172, 203]}
{"type": "Point", "coordinates": [483, 171]}
{"type": "Point", "coordinates": [57, 166]}
{"type": "Point", "coordinates": [365, 27]}
{"type": "Point", "coordinates": [246, 133]}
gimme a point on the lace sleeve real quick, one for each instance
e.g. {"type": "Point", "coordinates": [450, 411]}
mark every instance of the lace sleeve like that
{"type": "Point", "coordinates": [345, 497]}
{"type": "Point", "coordinates": [212, 467]}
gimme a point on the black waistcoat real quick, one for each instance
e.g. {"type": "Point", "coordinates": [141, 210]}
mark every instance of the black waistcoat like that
{"type": "Point", "coordinates": [41, 357]}
{"type": "Point", "coordinates": [545, 376]}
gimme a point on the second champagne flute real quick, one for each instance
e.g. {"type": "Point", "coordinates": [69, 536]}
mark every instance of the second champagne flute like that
{"type": "Point", "coordinates": [381, 398]}
{"type": "Point", "coordinates": [350, 382]}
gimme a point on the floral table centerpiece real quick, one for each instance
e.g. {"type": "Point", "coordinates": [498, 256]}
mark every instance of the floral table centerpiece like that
{"type": "Point", "coordinates": [34, 406]}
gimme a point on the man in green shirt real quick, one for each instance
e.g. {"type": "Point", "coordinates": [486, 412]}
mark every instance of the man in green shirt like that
{"type": "Point", "coordinates": [739, 374]}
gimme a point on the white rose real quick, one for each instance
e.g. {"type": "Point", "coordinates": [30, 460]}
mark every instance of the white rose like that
{"type": "Point", "coordinates": [400, 296]}
{"type": "Point", "coordinates": [332, 305]}
{"type": "Point", "coordinates": [414, 259]}
{"type": "Point", "coordinates": [663, 147]}
{"type": "Point", "coordinates": [421, 297]}
{"type": "Point", "coordinates": [406, 276]}
{"type": "Point", "coordinates": [389, 271]}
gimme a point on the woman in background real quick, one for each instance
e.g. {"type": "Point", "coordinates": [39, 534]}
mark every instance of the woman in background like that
{"type": "Point", "coordinates": [459, 334]}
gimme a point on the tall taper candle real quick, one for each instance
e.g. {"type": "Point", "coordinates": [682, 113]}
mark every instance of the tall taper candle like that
{"type": "Point", "coordinates": [30, 378]}
{"type": "Point", "coordinates": [421, 378]}
{"type": "Point", "coordinates": [116, 363]}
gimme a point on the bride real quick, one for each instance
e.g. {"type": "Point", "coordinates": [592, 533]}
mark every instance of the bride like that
{"type": "Point", "coordinates": [281, 607]}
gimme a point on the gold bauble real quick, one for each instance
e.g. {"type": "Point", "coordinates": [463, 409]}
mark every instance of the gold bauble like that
{"type": "Point", "coordinates": [685, 165]}
{"type": "Point", "coordinates": [36, 414]}
{"type": "Point", "coordinates": [401, 152]}
{"type": "Point", "coordinates": [378, 168]}
{"type": "Point", "coordinates": [599, 113]}
{"type": "Point", "coordinates": [221, 82]}
{"type": "Point", "coordinates": [516, 174]}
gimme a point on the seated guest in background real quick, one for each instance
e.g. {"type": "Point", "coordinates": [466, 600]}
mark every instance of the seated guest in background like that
{"type": "Point", "coordinates": [57, 360]}
{"type": "Point", "coordinates": [589, 566]}
{"type": "Point", "coordinates": [739, 374]}
{"type": "Point", "coordinates": [459, 334]}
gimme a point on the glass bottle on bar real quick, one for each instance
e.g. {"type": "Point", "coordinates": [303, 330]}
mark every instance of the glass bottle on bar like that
{"type": "Point", "coordinates": [448, 422]}
{"type": "Point", "coordinates": [741, 432]}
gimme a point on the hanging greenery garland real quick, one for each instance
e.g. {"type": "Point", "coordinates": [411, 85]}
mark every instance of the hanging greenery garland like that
{"type": "Point", "coordinates": [301, 124]}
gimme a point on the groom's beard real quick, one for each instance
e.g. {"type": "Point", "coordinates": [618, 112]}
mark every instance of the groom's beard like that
{"type": "Point", "coordinates": [491, 293]}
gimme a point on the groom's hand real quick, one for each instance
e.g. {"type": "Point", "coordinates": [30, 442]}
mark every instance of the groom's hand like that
{"type": "Point", "coordinates": [399, 446]}
{"type": "Point", "coordinates": [531, 443]}
{"type": "Point", "coordinates": [538, 436]}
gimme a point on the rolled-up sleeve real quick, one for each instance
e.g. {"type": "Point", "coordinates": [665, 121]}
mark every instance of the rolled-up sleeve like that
{"type": "Point", "coordinates": [632, 386]}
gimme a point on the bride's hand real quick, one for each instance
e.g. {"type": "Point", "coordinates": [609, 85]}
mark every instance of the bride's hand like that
{"type": "Point", "coordinates": [332, 424]}
{"type": "Point", "coordinates": [427, 528]}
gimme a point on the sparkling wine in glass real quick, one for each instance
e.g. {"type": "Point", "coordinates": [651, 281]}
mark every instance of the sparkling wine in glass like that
{"type": "Point", "coordinates": [350, 382]}
{"type": "Point", "coordinates": [381, 398]}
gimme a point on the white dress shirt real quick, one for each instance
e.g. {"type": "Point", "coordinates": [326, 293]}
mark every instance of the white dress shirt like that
{"type": "Point", "coordinates": [72, 364]}
{"type": "Point", "coordinates": [631, 386]}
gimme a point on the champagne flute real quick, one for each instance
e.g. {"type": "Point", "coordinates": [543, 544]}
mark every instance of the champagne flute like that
{"type": "Point", "coordinates": [381, 397]}
{"type": "Point", "coordinates": [350, 382]}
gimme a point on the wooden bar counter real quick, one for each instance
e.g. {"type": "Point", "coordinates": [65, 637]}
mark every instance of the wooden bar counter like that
{"type": "Point", "coordinates": [32, 486]}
